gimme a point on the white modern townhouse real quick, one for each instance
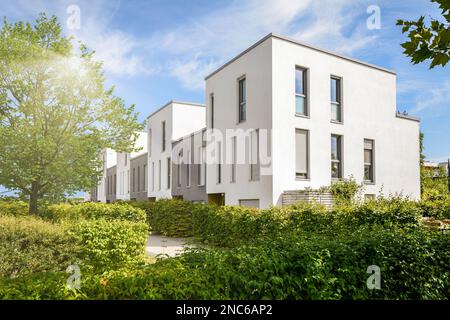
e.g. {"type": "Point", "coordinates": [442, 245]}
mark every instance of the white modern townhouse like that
{"type": "Point", "coordinates": [169, 123]}
{"type": "Point", "coordinates": [189, 167]}
{"type": "Point", "coordinates": [289, 116]}
{"type": "Point", "coordinates": [129, 177]}
{"type": "Point", "coordinates": [281, 118]}
{"type": "Point", "coordinates": [99, 194]}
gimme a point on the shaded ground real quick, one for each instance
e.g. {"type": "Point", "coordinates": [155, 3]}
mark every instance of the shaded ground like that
{"type": "Point", "coordinates": [157, 244]}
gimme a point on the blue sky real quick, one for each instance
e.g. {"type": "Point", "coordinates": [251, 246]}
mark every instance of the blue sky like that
{"type": "Point", "coordinates": [155, 51]}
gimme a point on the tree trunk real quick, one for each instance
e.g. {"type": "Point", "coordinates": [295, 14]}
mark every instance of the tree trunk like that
{"type": "Point", "coordinates": [33, 204]}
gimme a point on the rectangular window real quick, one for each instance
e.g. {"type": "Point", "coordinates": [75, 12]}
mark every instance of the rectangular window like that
{"type": "Point", "coordinates": [163, 136]}
{"type": "Point", "coordinates": [159, 175]}
{"type": "Point", "coordinates": [242, 99]}
{"type": "Point", "coordinates": [115, 184]}
{"type": "Point", "coordinates": [233, 159]}
{"type": "Point", "coordinates": [153, 176]}
{"type": "Point", "coordinates": [249, 203]}
{"type": "Point", "coordinates": [139, 179]}
{"type": "Point", "coordinates": [203, 166]}
{"type": "Point", "coordinates": [149, 142]}
{"type": "Point", "coordinates": [301, 102]}
{"type": "Point", "coordinates": [336, 103]}
{"type": "Point", "coordinates": [134, 180]}
{"type": "Point", "coordinates": [145, 177]}
{"type": "Point", "coordinates": [254, 156]}
{"type": "Point", "coordinates": [212, 110]}
{"type": "Point", "coordinates": [128, 181]}
{"type": "Point", "coordinates": [368, 160]}
{"type": "Point", "coordinates": [301, 154]}
{"type": "Point", "coordinates": [336, 157]}
{"type": "Point", "coordinates": [169, 163]}
{"type": "Point", "coordinates": [179, 164]}
{"type": "Point", "coordinates": [219, 163]}
{"type": "Point", "coordinates": [188, 168]}
{"type": "Point", "coordinates": [126, 159]}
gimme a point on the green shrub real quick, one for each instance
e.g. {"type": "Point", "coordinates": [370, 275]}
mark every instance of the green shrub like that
{"type": "Point", "coordinates": [13, 208]}
{"type": "Point", "coordinates": [30, 245]}
{"type": "Point", "coordinates": [413, 266]}
{"type": "Point", "coordinates": [172, 218]}
{"type": "Point", "coordinates": [91, 210]}
{"type": "Point", "coordinates": [107, 245]}
{"type": "Point", "coordinates": [438, 209]}
{"type": "Point", "coordinates": [394, 212]}
{"type": "Point", "coordinates": [345, 191]}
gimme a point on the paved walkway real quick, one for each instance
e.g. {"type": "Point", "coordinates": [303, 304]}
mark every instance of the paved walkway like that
{"type": "Point", "coordinates": [157, 245]}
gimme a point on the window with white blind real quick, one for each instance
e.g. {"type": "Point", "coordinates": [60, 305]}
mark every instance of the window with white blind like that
{"type": "Point", "coordinates": [301, 154]}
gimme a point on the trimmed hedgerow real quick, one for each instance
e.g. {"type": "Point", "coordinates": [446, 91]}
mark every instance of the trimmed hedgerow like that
{"type": "Point", "coordinates": [91, 210]}
{"type": "Point", "coordinates": [108, 245]}
{"type": "Point", "coordinates": [170, 217]}
{"type": "Point", "coordinates": [30, 245]}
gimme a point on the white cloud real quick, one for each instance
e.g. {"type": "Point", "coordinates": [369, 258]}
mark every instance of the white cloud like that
{"type": "Point", "coordinates": [198, 47]}
{"type": "Point", "coordinates": [434, 97]}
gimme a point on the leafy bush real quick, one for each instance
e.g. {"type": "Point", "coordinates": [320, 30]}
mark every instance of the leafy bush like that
{"type": "Point", "coordinates": [413, 266]}
{"type": "Point", "coordinates": [345, 191]}
{"type": "Point", "coordinates": [394, 212]}
{"type": "Point", "coordinates": [91, 210]}
{"type": "Point", "coordinates": [438, 209]}
{"type": "Point", "coordinates": [107, 245]}
{"type": "Point", "coordinates": [13, 208]}
{"type": "Point", "coordinates": [30, 245]}
{"type": "Point", "coordinates": [169, 217]}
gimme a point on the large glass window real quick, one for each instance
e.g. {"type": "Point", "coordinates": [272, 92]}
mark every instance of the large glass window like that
{"type": "Point", "coordinates": [242, 99]}
{"type": "Point", "coordinates": [301, 105]}
{"type": "Point", "coordinates": [336, 157]}
{"type": "Point", "coordinates": [368, 160]}
{"type": "Point", "coordinates": [301, 154]}
{"type": "Point", "coordinates": [336, 103]}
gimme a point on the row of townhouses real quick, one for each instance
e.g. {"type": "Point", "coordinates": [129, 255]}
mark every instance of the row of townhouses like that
{"type": "Point", "coordinates": [279, 118]}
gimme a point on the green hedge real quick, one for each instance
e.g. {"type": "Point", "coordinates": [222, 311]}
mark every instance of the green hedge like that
{"type": "Point", "coordinates": [91, 210]}
{"type": "Point", "coordinates": [31, 245]}
{"type": "Point", "coordinates": [232, 226]}
{"type": "Point", "coordinates": [413, 266]}
{"type": "Point", "coordinates": [438, 209]}
{"type": "Point", "coordinates": [108, 245]}
{"type": "Point", "coordinates": [172, 218]}
{"type": "Point", "coordinates": [13, 208]}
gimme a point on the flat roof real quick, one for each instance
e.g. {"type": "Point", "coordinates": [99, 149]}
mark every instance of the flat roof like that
{"type": "Point", "coordinates": [195, 104]}
{"type": "Point", "coordinates": [284, 38]}
{"type": "Point", "coordinates": [406, 116]}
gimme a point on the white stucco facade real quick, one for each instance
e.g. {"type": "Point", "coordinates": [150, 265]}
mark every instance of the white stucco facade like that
{"type": "Point", "coordinates": [368, 100]}
{"type": "Point", "coordinates": [123, 167]}
{"type": "Point", "coordinates": [169, 123]}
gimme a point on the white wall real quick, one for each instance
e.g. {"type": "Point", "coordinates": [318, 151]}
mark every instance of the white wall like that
{"type": "Point", "coordinates": [123, 167]}
{"type": "Point", "coordinates": [109, 160]}
{"type": "Point", "coordinates": [369, 106]}
{"type": "Point", "coordinates": [256, 66]}
{"type": "Point", "coordinates": [181, 119]}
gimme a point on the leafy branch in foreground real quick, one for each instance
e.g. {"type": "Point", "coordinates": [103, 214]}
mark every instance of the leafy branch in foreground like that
{"type": "Point", "coordinates": [428, 41]}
